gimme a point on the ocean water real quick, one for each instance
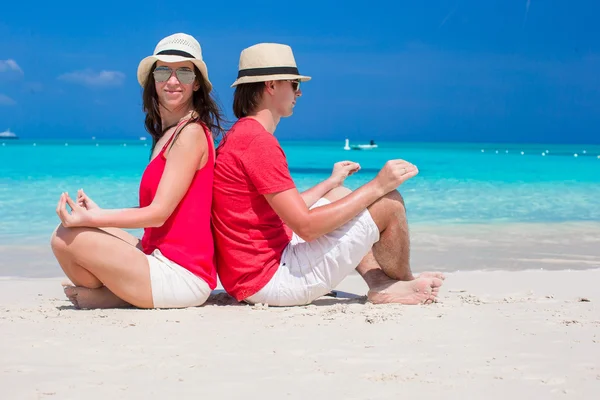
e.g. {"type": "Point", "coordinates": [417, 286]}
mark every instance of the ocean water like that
{"type": "Point", "coordinates": [457, 183]}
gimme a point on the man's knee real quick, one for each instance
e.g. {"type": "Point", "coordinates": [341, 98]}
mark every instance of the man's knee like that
{"type": "Point", "coordinates": [395, 197]}
{"type": "Point", "coordinates": [391, 202]}
{"type": "Point", "coordinates": [337, 193]}
{"type": "Point", "coordinates": [388, 208]}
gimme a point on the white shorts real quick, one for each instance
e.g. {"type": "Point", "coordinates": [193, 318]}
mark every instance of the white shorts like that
{"type": "Point", "coordinates": [309, 270]}
{"type": "Point", "coordinates": [174, 286]}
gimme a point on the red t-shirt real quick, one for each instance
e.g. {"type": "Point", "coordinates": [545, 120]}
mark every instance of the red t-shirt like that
{"type": "Point", "coordinates": [249, 235]}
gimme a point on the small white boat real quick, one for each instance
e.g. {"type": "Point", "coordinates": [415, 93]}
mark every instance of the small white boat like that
{"type": "Point", "coordinates": [8, 135]}
{"type": "Point", "coordinates": [143, 138]}
{"type": "Point", "coordinates": [369, 146]}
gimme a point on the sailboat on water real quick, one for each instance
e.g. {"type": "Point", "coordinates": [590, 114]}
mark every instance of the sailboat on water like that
{"type": "Point", "coordinates": [369, 146]}
{"type": "Point", "coordinates": [8, 135]}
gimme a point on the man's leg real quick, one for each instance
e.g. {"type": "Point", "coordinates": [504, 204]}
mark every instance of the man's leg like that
{"type": "Point", "coordinates": [386, 269]}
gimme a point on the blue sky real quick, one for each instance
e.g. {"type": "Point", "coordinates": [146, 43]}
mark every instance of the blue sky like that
{"type": "Point", "coordinates": [478, 71]}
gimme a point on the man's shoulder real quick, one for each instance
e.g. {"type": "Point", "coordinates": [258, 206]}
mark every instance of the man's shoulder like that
{"type": "Point", "coordinates": [246, 134]}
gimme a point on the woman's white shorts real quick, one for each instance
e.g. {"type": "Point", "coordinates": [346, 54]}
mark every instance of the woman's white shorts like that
{"type": "Point", "coordinates": [174, 286]}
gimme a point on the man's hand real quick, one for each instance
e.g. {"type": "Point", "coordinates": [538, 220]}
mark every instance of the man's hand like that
{"type": "Point", "coordinates": [342, 170]}
{"type": "Point", "coordinates": [394, 173]}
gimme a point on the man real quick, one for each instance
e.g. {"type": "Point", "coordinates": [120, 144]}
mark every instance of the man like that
{"type": "Point", "coordinates": [277, 246]}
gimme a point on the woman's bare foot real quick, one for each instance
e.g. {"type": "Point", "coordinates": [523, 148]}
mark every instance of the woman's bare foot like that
{"type": "Point", "coordinates": [66, 283]}
{"type": "Point", "coordinates": [82, 297]}
{"type": "Point", "coordinates": [418, 291]}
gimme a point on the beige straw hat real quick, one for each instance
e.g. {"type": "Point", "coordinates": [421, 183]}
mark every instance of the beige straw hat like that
{"type": "Point", "coordinates": [175, 48]}
{"type": "Point", "coordinates": [267, 62]}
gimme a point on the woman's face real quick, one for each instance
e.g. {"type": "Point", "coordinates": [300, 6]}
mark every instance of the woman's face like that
{"type": "Point", "coordinates": [175, 83]}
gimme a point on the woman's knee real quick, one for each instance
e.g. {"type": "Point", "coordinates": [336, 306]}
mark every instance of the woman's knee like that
{"type": "Point", "coordinates": [62, 237]}
{"type": "Point", "coordinates": [56, 240]}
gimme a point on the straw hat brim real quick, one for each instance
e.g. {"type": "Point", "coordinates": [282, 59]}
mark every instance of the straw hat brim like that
{"type": "Point", "coordinates": [266, 78]}
{"type": "Point", "coordinates": [146, 65]}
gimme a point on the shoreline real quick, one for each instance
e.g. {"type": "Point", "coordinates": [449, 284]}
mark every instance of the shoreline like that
{"type": "Point", "coordinates": [446, 248]}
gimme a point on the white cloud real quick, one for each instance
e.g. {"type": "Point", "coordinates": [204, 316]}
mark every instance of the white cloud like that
{"type": "Point", "coordinates": [33, 87]}
{"type": "Point", "coordinates": [527, 5]}
{"type": "Point", "coordinates": [447, 18]}
{"type": "Point", "coordinates": [91, 78]}
{"type": "Point", "coordinates": [10, 65]}
{"type": "Point", "coordinates": [6, 101]}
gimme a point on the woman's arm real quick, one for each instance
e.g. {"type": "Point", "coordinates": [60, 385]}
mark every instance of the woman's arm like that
{"type": "Point", "coordinates": [188, 153]}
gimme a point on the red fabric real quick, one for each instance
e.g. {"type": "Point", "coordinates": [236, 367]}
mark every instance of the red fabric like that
{"type": "Point", "coordinates": [249, 235]}
{"type": "Point", "coordinates": [186, 237]}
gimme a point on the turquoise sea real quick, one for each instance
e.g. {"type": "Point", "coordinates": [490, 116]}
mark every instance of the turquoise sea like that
{"type": "Point", "coordinates": [457, 183]}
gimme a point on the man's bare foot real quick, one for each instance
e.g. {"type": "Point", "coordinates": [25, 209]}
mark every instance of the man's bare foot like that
{"type": "Point", "coordinates": [438, 275]}
{"type": "Point", "coordinates": [417, 291]}
{"type": "Point", "coordinates": [410, 277]}
{"type": "Point", "coordinates": [82, 297]}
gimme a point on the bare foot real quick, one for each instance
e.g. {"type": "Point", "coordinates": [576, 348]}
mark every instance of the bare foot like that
{"type": "Point", "coordinates": [418, 291]}
{"type": "Point", "coordinates": [71, 293]}
{"type": "Point", "coordinates": [438, 275]}
{"type": "Point", "coordinates": [82, 297]}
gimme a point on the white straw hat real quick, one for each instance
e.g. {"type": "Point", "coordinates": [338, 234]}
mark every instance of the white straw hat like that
{"type": "Point", "coordinates": [175, 48]}
{"type": "Point", "coordinates": [267, 62]}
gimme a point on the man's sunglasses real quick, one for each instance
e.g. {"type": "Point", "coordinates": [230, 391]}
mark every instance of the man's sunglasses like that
{"type": "Point", "coordinates": [184, 75]}
{"type": "Point", "coordinates": [295, 85]}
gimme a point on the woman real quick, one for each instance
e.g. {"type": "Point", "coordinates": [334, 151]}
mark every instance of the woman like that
{"type": "Point", "coordinates": [172, 266]}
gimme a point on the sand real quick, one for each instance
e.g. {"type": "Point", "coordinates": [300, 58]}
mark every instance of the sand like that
{"type": "Point", "coordinates": [526, 328]}
{"type": "Point", "coordinates": [494, 335]}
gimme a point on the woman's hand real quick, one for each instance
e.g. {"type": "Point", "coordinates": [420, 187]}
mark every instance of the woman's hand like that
{"type": "Point", "coordinates": [79, 216]}
{"type": "Point", "coordinates": [83, 200]}
{"type": "Point", "coordinates": [342, 170]}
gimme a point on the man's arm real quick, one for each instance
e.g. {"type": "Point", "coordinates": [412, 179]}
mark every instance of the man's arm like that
{"type": "Point", "coordinates": [312, 195]}
{"type": "Point", "coordinates": [311, 224]}
{"type": "Point", "coordinates": [341, 171]}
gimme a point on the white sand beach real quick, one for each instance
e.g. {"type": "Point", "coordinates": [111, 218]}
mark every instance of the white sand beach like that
{"type": "Point", "coordinates": [494, 334]}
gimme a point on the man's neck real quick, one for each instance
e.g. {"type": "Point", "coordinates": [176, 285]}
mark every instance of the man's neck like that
{"type": "Point", "coordinates": [267, 119]}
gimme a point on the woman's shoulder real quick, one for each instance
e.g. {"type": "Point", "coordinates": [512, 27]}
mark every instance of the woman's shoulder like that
{"type": "Point", "coordinates": [195, 128]}
{"type": "Point", "coordinates": [191, 136]}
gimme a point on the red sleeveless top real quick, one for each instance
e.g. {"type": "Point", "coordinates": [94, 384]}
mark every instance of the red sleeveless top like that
{"type": "Point", "coordinates": [186, 236]}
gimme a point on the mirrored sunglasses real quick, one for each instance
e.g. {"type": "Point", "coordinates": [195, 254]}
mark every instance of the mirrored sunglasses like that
{"type": "Point", "coordinates": [184, 75]}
